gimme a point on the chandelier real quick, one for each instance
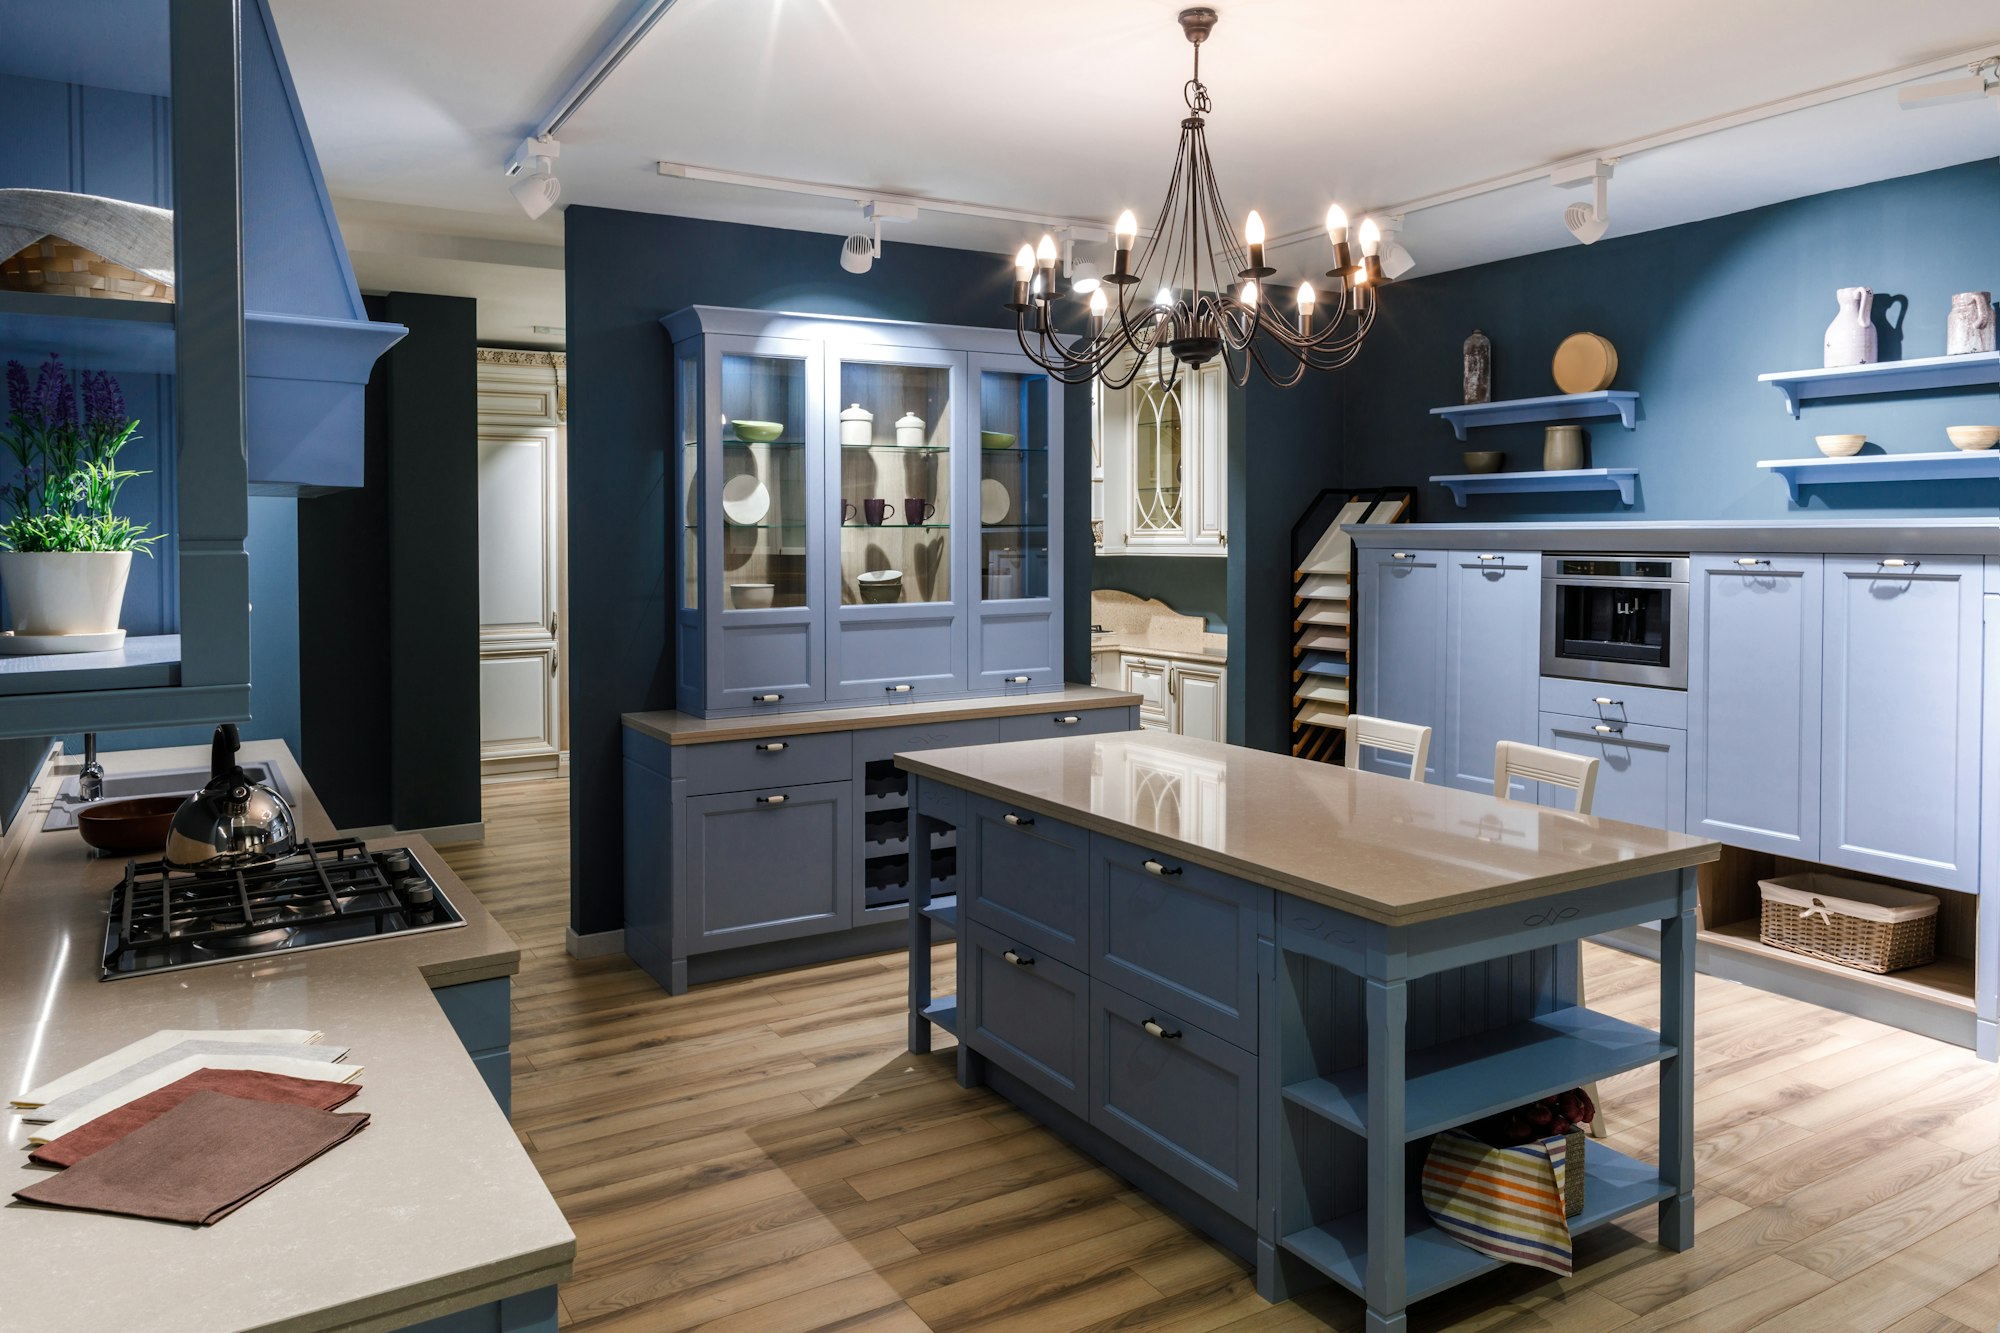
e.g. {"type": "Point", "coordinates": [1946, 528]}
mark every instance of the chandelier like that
{"type": "Point", "coordinates": [1206, 300]}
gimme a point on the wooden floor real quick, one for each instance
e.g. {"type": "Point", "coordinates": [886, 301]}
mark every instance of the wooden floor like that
{"type": "Point", "coordinates": [764, 1156]}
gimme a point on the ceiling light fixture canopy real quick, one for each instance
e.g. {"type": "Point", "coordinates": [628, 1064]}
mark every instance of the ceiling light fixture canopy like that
{"type": "Point", "coordinates": [1213, 301]}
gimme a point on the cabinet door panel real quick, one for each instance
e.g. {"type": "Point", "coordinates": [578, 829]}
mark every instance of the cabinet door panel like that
{"type": "Point", "coordinates": [1183, 1099]}
{"type": "Point", "coordinates": [1642, 776]}
{"type": "Point", "coordinates": [1031, 880]}
{"type": "Point", "coordinates": [1198, 702]}
{"type": "Point", "coordinates": [1901, 794]}
{"type": "Point", "coordinates": [1027, 1013]}
{"type": "Point", "coordinates": [1148, 679]}
{"type": "Point", "coordinates": [1754, 702]}
{"type": "Point", "coordinates": [1402, 612]}
{"type": "Point", "coordinates": [769, 865]}
{"type": "Point", "coordinates": [1493, 664]}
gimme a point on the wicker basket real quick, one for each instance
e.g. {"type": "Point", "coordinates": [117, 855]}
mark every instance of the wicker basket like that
{"type": "Point", "coordinates": [1573, 1173]}
{"type": "Point", "coordinates": [55, 266]}
{"type": "Point", "coordinates": [1871, 927]}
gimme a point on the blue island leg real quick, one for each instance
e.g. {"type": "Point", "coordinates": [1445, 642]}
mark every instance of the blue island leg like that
{"type": "Point", "coordinates": [920, 923]}
{"type": "Point", "coordinates": [1388, 1012]}
{"type": "Point", "coordinates": [1677, 1071]}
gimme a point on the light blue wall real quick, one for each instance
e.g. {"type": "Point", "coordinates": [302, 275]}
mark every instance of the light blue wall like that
{"type": "Point", "coordinates": [1696, 312]}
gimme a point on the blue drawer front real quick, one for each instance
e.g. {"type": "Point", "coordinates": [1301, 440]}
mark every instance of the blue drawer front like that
{"type": "Point", "coordinates": [1183, 937]}
{"type": "Point", "coordinates": [776, 760]}
{"type": "Point", "coordinates": [1185, 1100]}
{"type": "Point", "coordinates": [1028, 880]}
{"type": "Point", "coordinates": [1027, 1013]}
{"type": "Point", "coordinates": [1638, 704]}
{"type": "Point", "coordinates": [882, 742]}
{"type": "Point", "coordinates": [478, 1013]}
{"type": "Point", "coordinates": [1079, 722]}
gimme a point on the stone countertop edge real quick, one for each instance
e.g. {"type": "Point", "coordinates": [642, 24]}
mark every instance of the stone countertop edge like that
{"type": "Point", "coordinates": [677, 728]}
{"type": "Point", "coordinates": [1140, 646]}
{"type": "Point", "coordinates": [935, 764]}
{"type": "Point", "coordinates": [433, 1209]}
{"type": "Point", "coordinates": [1798, 536]}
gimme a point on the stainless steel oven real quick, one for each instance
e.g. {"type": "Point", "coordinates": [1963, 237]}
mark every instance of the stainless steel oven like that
{"type": "Point", "coordinates": [1621, 618]}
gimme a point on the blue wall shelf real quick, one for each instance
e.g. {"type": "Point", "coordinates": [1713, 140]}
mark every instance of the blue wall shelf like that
{"type": "Point", "coordinates": [1957, 465]}
{"type": "Point", "coordinates": [1620, 403]}
{"type": "Point", "coordinates": [1929, 372]}
{"type": "Point", "coordinates": [1620, 479]}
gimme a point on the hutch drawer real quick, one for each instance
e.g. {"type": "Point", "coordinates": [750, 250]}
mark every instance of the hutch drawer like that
{"type": "Point", "coordinates": [766, 761]}
{"type": "Point", "coordinates": [1084, 722]}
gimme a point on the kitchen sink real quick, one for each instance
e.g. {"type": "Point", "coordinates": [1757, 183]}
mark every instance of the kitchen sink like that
{"type": "Point", "coordinates": [171, 782]}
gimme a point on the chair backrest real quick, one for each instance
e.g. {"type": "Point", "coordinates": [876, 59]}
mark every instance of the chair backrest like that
{"type": "Point", "coordinates": [1396, 737]}
{"type": "Point", "coordinates": [1533, 763]}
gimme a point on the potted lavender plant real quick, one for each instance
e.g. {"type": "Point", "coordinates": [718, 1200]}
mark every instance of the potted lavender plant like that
{"type": "Point", "coordinates": [65, 553]}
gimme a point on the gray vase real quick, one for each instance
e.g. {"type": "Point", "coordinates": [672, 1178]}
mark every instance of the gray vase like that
{"type": "Point", "coordinates": [1970, 327]}
{"type": "Point", "coordinates": [1562, 449]}
{"type": "Point", "coordinates": [1478, 368]}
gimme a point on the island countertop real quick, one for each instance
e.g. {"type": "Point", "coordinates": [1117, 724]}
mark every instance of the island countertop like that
{"type": "Point", "coordinates": [433, 1208]}
{"type": "Point", "coordinates": [1385, 849]}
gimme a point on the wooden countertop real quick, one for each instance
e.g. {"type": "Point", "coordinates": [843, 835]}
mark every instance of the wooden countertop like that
{"type": "Point", "coordinates": [433, 1208]}
{"type": "Point", "coordinates": [1386, 849]}
{"type": "Point", "coordinates": [677, 728]}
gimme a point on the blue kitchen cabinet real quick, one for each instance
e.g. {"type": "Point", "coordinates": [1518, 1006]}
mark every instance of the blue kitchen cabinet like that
{"type": "Point", "coordinates": [1402, 603]}
{"type": "Point", "coordinates": [480, 1013]}
{"type": "Point", "coordinates": [771, 864]}
{"type": "Point", "coordinates": [1641, 773]}
{"type": "Point", "coordinates": [1014, 577]}
{"type": "Point", "coordinates": [1900, 794]}
{"type": "Point", "coordinates": [1987, 979]}
{"type": "Point", "coordinates": [1492, 664]}
{"type": "Point", "coordinates": [1754, 724]}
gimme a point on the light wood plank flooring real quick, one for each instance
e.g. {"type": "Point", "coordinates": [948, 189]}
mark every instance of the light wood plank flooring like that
{"type": "Point", "coordinates": [764, 1156]}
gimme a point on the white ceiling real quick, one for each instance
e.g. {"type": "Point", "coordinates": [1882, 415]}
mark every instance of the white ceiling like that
{"type": "Point", "coordinates": [1055, 107]}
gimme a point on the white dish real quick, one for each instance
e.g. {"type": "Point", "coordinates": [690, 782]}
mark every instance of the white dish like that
{"type": "Point", "coordinates": [1840, 446]}
{"type": "Point", "coordinates": [32, 645]}
{"type": "Point", "coordinates": [994, 502]}
{"type": "Point", "coordinates": [752, 596]}
{"type": "Point", "coordinates": [1971, 438]}
{"type": "Point", "coordinates": [744, 500]}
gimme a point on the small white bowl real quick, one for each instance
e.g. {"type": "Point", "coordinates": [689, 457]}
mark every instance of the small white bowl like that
{"type": "Point", "coordinates": [1840, 446]}
{"type": "Point", "coordinates": [752, 596]}
{"type": "Point", "coordinates": [1970, 438]}
{"type": "Point", "coordinates": [880, 585]}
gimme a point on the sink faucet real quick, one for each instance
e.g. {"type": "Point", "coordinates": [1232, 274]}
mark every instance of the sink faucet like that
{"type": "Point", "coordinates": [90, 782]}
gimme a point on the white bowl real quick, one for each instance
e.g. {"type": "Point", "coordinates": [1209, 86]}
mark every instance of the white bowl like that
{"type": "Point", "coordinates": [752, 596]}
{"type": "Point", "coordinates": [1840, 446]}
{"type": "Point", "coordinates": [880, 585]}
{"type": "Point", "coordinates": [1970, 438]}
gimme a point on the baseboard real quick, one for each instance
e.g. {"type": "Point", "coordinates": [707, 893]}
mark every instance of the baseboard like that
{"type": "Point", "coordinates": [522, 767]}
{"type": "Point", "coordinates": [442, 835]}
{"type": "Point", "coordinates": [597, 944]}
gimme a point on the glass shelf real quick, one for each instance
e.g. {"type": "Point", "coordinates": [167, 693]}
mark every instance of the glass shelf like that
{"type": "Point", "coordinates": [1014, 449]}
{"type": "Point", "coordinates": [733, 443]}
{"type": "Point", "coordinates": [895, 527]}
{"type": "Point", "coordinates": [1014, 527]}
{"type": "Point", "coordinates": [758, 527]}
{"type": "Point", "coordinates": [897, 449]}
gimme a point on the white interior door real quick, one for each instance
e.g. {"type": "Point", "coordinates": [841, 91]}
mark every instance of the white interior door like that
{"type": "Point", "coordinates": [519, 663]}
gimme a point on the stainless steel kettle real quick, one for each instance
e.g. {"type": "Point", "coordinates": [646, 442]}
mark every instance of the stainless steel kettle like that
{"type": "Point", "coordinates": [231, 822]}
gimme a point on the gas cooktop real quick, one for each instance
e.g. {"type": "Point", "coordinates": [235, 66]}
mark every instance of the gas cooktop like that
{"type": "Point", "coordinates": [336, 892]}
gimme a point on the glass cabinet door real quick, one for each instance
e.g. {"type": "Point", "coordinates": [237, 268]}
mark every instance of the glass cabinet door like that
{"type": "Point", "coordinates": [687, 491]}
{"type": "Point", "coordinates": [1157, 463]}
{"type": "Point", "coordinates": [763, 415]}
{"type": "Point", "coordinates": [1014, 510]}
{"type": "Point", "coordinates": [895, 511]}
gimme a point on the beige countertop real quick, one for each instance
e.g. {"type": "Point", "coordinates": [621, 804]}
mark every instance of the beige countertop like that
{"type": "Point", "coordinates": [1151, 628]}
{"type": "Point", "coordinates": [433, 1208]}
{"type": "Point", "coordinates": [1386, 849]}
{"type": "Point", "coordinates": [676, 728]}
{"type": "Point", "coordinates": [1139, 645]}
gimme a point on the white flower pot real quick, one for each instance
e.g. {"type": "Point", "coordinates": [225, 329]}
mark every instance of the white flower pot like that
{"type": "Point", "coordinates": [65, 592]}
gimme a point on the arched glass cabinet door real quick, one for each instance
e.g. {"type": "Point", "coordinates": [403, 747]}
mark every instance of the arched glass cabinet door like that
{"type": "Point", "coordinates": [1158, 465]}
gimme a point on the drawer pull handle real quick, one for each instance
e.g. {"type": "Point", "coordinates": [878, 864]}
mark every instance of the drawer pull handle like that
{"type": "Point", "coordinates": [1752, 562]}
{"type": "Point", "coordinates": [897, 689]}
{"type": "Point", "coordinates": [1603, 702]}
{"type": "Point", "coordinates": [1018, 821]}
{"type": "Point", "coordinates": [1154, 867]}
{"type": "Point", "coordinates": [1402, 555]}
{"type": "Point", "coordinates": [767, 698]}
{"type": "Point", "coordinates": [1489, 557]}
{"type": "Point", "coordinates": [1016, 680]}
{"type": "Point", "coordinates": [1067, 720]}
{"type": "Point", "coordinates": [1018, 959]}
{"type": "Point", "coordinates": [1155, 1030]}
{"type": "Point", "coordinates": [1899, 563]}
{"type": "Point", "coordinates": [1606, 729]}
{"type": "Point", "coordinates": [770, 747]}
{"type": "Point", "coordinates": [770, 800]}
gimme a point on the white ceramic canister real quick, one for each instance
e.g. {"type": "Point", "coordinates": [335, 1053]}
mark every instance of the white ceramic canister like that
{"type": "Point", "coordinates": [857, 426]}
{"type": "Point", "coordinates": [910, 431]}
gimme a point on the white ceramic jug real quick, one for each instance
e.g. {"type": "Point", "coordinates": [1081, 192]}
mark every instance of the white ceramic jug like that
{"type": "Point", "coordinates": [1970, 328]}
{"type": "Point", "coordinates": [1850, 339]}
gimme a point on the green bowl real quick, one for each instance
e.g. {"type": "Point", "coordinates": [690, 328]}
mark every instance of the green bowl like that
{"type": "Point", "coordinates": [995, 439]}
{"type": "Point", "coordinates": [758, 432]}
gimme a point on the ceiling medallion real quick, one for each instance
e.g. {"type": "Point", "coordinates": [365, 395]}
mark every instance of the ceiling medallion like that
{"type": "Point", "coordinates": [1206, 301]}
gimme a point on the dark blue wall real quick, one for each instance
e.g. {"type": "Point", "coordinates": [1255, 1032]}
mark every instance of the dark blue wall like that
{"type": "Point", "coordinates": [1696, 312]}
{"type": "Point", "coordinates": [625, 271]}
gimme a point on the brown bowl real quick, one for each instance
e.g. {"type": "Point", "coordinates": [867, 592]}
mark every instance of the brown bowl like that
{"type": "Point", "coordinates": [128, 828]}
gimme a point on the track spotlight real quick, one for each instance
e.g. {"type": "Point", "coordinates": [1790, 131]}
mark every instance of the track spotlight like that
{"type": "Point", "coordinates": [857, 253]}
{"type": "Point", "coordinates": [1396, 257]}
{"type": "Point", "coordinates": [1586, 222]}
{"type": "Point", "coordinates": [1084, 278]}
{"type": "Point", "coordinates": [535, 186]}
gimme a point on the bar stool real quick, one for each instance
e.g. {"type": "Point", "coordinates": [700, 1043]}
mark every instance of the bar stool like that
{"type": "Point", "coordinates": [1577, 774]}
{"type": "Point", "coordinates": [1383, 734]}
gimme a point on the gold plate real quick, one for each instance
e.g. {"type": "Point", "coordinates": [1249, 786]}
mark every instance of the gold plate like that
{"type": "Point", "coordinates": [1585, 363]}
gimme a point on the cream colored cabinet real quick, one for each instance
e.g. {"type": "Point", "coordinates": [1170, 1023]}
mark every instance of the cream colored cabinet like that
{"type": "Point", "coordinates": [1165, 458]}
{"type": "Point", "coordinates": [1181, 697]}
{"type": "Point", "coordinates": [1147, 678]}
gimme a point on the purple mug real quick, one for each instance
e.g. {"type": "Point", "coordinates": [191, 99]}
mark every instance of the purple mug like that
{"type": "Point", "coordinates": [877, 511]}
{"type": "Point", "coordinates": [848, 513]}
{"type": "Point", "coordinates": [916, 513]}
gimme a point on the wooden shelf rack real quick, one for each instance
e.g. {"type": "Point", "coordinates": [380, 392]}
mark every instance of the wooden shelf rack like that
{"type": "Point", "coordinates": [1322, 612]}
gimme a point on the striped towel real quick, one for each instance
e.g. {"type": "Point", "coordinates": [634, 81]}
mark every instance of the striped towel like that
{"type": "Point", "coordinates": [1503, 1202]}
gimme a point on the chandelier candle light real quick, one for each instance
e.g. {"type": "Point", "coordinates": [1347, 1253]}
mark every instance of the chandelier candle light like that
{"type": "Point", "coordinates": [1208, 302]}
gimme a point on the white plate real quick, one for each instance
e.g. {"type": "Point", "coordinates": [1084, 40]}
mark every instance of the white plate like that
{"type": "Point", "coordinates": [744, 500]}
{"type": "Point", "coordinates": [994, 501]}
{"type": "Point", "coordinates": [28, 645]}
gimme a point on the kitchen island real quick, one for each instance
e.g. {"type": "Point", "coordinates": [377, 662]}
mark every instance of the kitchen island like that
{"type": "Point", "coordinates": [432, 1218]}
{"type": "Point", "coordinates": [1256, 986]}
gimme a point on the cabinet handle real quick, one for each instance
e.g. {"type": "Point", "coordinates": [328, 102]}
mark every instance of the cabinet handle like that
{"type": "Point", "coordinates": [1015, 680]}
{"type": "Point", "coordinates": [767, 698]}
{"type": "Point", "coordinates": [1899, 563]}
{"type": "Point", "coordinates": [1155, 868]}
{"type": "Point", "coordinates": [1018, 821]}
{"type": "Point", "coordinates": [771, 800]}
{"type": "Point", "coordinates": [1488, 557]}
{"type": "Point", "coordinates": [1603, 702]}
{"type": "Point", "coordinates": [898, 689]}
{"type": "Point", "coordinates": [1066, 720]}
{"type": "Point", "coordinates": [1402, 555]}
{"type": "Point", "coordinates": [770, 747]}
{"type": "Point", "coordinates": [1018, 959]}
{"type": "Point", "coordinates": [1752, 562]}
{"type": "Point", "coordinates": [1606, 729]}
{"type": "Point", "coordinates": [1155, 1030]}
